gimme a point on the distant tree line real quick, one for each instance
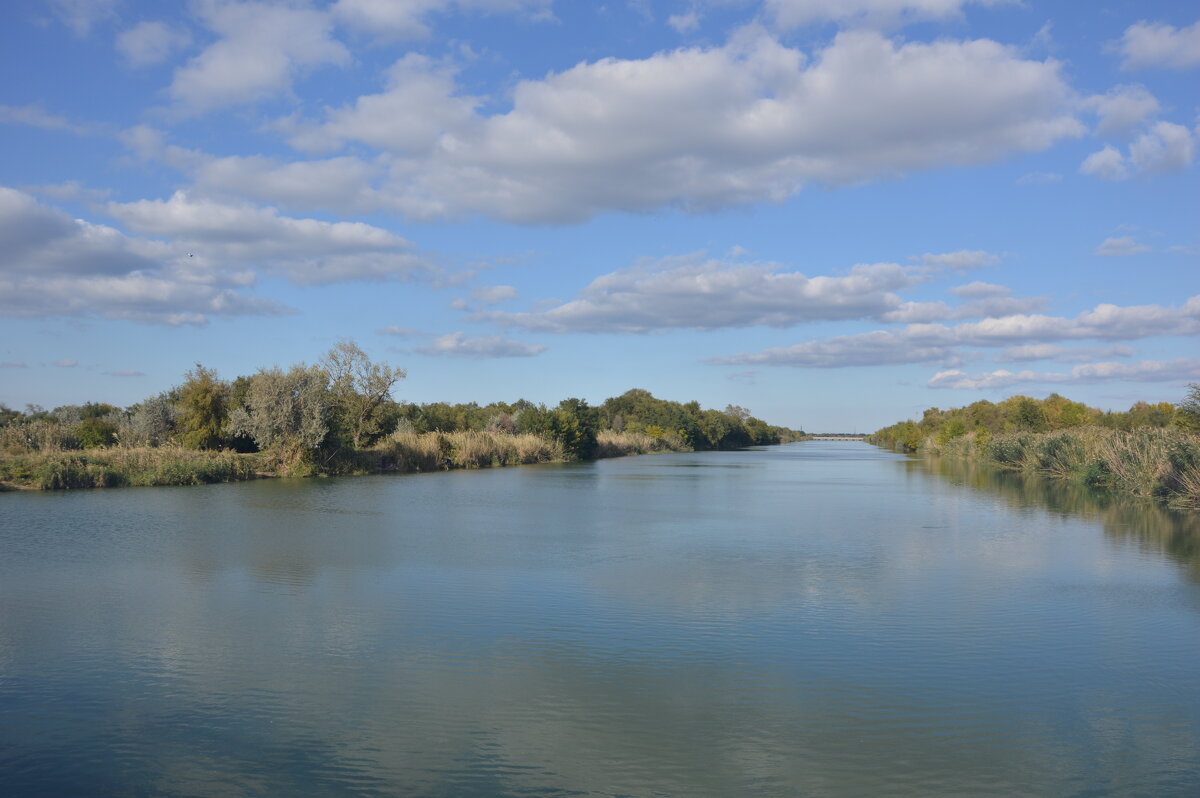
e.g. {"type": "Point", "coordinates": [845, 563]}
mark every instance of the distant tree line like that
{"type": "Point", "coordinates": [1016, 414]}
{"type": "Point", "coordinates": [344, 403]}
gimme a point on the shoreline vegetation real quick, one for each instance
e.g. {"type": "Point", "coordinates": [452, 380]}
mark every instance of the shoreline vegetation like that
{"type": "Point", "coordinates": [1150, 451]}
{"type": "Point", "coordinates": [338, 418]}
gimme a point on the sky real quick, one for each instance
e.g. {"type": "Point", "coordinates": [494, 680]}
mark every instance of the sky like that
{"type": "Point", "coordinates": [835, 213]}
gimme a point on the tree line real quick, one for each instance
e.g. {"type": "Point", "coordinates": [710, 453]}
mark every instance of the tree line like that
{"type": "Point", "coordinates": [1017, 414]}
{"type": "Point", "coordinates": [344, 403]}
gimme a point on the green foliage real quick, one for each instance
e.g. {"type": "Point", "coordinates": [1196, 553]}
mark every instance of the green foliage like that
{"type": "Point", "coordinates": [1187, 412]}
{"type": "Point", "coordinates": [286, 410]}
{"type": "Point", "coordinates": [202, 409]}
{"type": "Point", "coordinates": [94, 432]}
{"type": "Point", "coordinates": [359, 389]}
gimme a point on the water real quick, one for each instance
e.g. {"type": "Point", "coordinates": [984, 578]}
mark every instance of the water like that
{"type": "Point", "coordinates": [817, 619]}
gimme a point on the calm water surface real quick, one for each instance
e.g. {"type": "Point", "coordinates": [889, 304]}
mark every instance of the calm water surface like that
{"type": "Point", "coordinates": [817, 619]}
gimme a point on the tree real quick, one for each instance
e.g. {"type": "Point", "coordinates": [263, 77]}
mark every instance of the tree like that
{"type": "Point", "coordinates": [286, 409]}
{"type": "Point", "coordinates": [1187, 412]}
{"type": "Point", "coordinates": [359, 389]}
{"type": "Point", "coordinates": [202, 406]}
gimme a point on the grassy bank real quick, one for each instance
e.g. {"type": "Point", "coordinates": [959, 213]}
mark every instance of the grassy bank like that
{"type": "Point", "coordinates": [116, 467]}
{"type": "Point", "coordinates": [1154, 463]}
{"type": "Point", "coordinates": [401, 452]}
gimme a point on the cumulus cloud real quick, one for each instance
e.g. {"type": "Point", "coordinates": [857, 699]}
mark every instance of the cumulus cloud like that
{"type": "Point", "coordinates": [1123, 245]}
{"type": "Point", "coordinates": [407, 19]}
{"type": "Point", "coordinates": [457, 344]}
{"type": "Point", "coordinates": [1106, 164]}
{"type": "Point", "coordinates": [960, 260]}
{"type": "Point", "coordinates": [397, 330]}
{"type": "Point", "coordinates": [684, 23]}
{"type": "Point", "coordinates": [386, 120]}
{"type": "Point", "coordinates": [795, 13]}
{"type": "Point", "coordinates": [878, 348]}
{"type": "Point", "coordinates": [305, 251]}
{"type": "Point", "coordinates": [694, 293]}
{"type": "Point", "coordinates": [990, 307]}
{"type": "Point", "coordinates": [36, 116]}
{"type": "Point", "coordinates": [1142, 371]}
{"type": "Point", "coordinates": [702, 127]}
{"type": "Point", "coordinates": [1157, 44]}
{"type": "Point", "coordinates": [149, 43]}
{"type": "Point", "coordinates": [1162, 149]}
{"type": "Point", "coordinates": [981, 290]}
{"type": "Point", "coordinates": [1122, 109]}
{"type": "Point", "coordinates": [491, 294]}
{"type": "Point", "coordinates": [53, 265]}
{"type": "Point", "coordinates": [1027, 352]}
{"type": "Point", "coordinates": [261, 47]}
{"type": "Point", "coordinates": [940, 342]}
{"type": "Point", "coordinates": [81, 15]}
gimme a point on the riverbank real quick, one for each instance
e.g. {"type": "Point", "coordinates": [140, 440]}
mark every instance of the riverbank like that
{"type": "Point", "coordinates": [116, 466]}
{"type": "Point", "coordinates": [1152, 463]}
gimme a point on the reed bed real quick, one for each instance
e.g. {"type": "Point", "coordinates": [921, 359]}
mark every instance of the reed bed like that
{"type": "Point", "coordinates": [610, 443]}
{"type": "Point", "coordinates": [1162, 464]}
{"type": "Point", "coordinates": [439, 451]}
{"type": "Point", "coordinates": [117, 466]}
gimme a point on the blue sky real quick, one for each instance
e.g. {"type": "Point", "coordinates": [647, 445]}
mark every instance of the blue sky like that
{"type": "Point", "coordinates": [834, 212]}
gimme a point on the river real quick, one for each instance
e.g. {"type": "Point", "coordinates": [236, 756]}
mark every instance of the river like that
{"type": "Point", "coordinates": [818, 619]}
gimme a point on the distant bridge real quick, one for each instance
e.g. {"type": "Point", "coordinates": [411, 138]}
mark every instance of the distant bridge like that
{"type": "Point", "coordinates": [838, 436]}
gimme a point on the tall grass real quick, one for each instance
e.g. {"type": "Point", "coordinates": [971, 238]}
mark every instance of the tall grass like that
{"type": "Point", "coordinates": [112, 467]}
{"type": "Point", "coordinates": [437, 451]}
{"type": "Point", "coordinates": [610, 443]}
{"type": "Point", "coordinates": [1156, 463]}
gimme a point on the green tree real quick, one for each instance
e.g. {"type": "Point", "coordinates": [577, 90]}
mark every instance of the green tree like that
{"type": "Point", "coordinates": [286, 409]}
{"type": "Point", "coordinates": [1187, 412]}
{"type": "Point", "coordinates": [202, 409]}
{"type": "Point", "coordinates": [359, 389]}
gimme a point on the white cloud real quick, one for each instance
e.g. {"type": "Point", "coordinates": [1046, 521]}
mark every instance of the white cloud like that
{"type": "Point", "coordinates": [981, 290]}
{"type": "Point", "coordinates": [934, 342]}
{"type": "Point", "coordinates": [13, 364]}
{"type": "Point", "coordinates": [66, 364]}
{"type": "Point", "coordinates": [406, 18]}
{"type": "Point", "coordinates": [1142, 371]}
{"type": "Point", "coordinates": [692, 293]}
{"type": "Point", "coordinates": [149, 43]}
{"type": "Point", "coordinates": [126, 373]}
{"type": "Point", "coordinates": [457, 344]}
{"type": "Point", "coordinates": [261, 46]}
{"type": "Point", "coordinates": [305, 251]}
{"type": "Point", "coordinates": [397, 330]}
{"type": "Point", "coordinates": [36, 116]}
{"type": "Point", "coordinates": [53, 265]}
{"type": "Point", "coordinates": [794, 13]}
{"type": "Point", "coordinates": [388, 120]}
{"type": "Point", "coordinates": [684, 23]}
{"type": "Point", "coordinates": [1122, 109]}
{"type": "Point", "coordinates": [1124, 245]}
{"type": "Point", "coordinates": [1106, 164]}
{"type": "Point", "coordinates": [1163, 149]}
{"type": "Point", "coordinates": [1156, 44]}
{"type": "Point", "coordinates": [988, 307]}
{"type": "Point", "coordinates": [961, 260]}
{"type": "Point", "coordinates": [701, 128]}
{"type": "Point", "coordinates": [491, 294]}
{"type": "Point", "coordinates": [1063, 354]}
{"type": "Point", "coordinates": [81, 15]}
